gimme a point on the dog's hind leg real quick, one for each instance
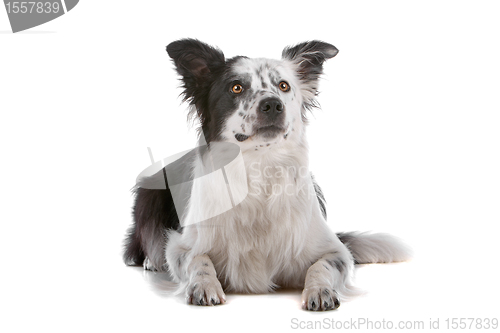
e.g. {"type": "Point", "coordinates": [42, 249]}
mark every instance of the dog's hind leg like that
{"type": "Point", "coordinates": [133, 254]}
{"type": "Point", "coordinates": [326, 280]}
{"type": "Point", "coordinates": [154, 214]}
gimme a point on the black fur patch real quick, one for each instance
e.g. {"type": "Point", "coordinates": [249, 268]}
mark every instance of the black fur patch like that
{"type": "Point", "coordinates": [320, 196]}
{"type": "Point", "coordinates": [338, 264]}
{"type": "Point", "coordinates": [310, 56]}
{"type": "Point", "coordinates": [154, 213]}
{"type": "Point", "coordinates": [348, 238]}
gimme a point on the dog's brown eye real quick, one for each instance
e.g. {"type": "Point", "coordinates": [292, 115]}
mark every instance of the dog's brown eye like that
{"type": "Point", "coordinates": [237, 88]}
{"type": "Point", "coordinates": [284, 86]}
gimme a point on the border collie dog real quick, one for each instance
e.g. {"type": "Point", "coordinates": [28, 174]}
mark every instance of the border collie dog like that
{"type": "Point", "coordinates": [241, 212]}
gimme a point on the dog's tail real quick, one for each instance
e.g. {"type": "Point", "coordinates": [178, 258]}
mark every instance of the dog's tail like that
{"type": "Point", "coordinates": [367, 248]}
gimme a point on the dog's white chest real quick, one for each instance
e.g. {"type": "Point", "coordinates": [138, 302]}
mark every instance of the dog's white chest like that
{"type": "Point", "coordinates": [262, 239]}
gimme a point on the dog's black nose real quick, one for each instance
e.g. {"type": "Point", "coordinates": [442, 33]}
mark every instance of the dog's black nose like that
{"type": "Point", "coordinates": [271, 106]}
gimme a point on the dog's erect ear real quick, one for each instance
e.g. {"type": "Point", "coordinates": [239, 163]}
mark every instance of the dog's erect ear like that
{"type": "Point", "coordinates": [194, 61]}
{"type": "Point", "coordinates": [309, 58]}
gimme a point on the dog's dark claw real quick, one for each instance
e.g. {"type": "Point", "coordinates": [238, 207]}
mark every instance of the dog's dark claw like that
{"type": "Point", "coordinates": [336, 303]}
{"type": "Point", "coordinates": [318, 299]}
{"type": "Point", "coordinates": [207, 290]}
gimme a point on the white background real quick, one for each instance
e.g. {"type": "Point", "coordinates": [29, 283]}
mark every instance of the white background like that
{"type": "Point", "coordinates": [407, 142]}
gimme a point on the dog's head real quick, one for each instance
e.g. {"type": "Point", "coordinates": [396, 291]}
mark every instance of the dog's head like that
{"type": "Point", "coordinates": [255, 103]}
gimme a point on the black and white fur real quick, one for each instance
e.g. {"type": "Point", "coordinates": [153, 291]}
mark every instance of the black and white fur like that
{"type": "Point", "coordinates": [271, 239]}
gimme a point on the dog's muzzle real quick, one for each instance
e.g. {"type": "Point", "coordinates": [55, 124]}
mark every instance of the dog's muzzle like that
{"type": "Point", "coordinates": [270, 119]}
{"type": "Point", "coordinates": [271, 107]}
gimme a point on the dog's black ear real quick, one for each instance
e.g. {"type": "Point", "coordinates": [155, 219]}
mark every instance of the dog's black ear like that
{"type": "Point", "coordinates": [309, 58]}
{"type": "Point", "coordinates": [194, 61]}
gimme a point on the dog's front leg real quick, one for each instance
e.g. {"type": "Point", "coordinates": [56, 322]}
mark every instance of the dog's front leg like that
{"type": "Point", "coordinates": [203, 288]}
{"type": "Point", "coordinates": [323, 279]}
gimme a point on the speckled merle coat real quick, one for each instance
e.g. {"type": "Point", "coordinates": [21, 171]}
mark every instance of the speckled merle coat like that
{"type": "Point", "coordinates": [272, 238]}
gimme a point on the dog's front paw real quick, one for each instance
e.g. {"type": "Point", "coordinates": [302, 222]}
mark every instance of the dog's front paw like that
{"type": "Point", "coordinates": [205, 290]}
{"type": "Point", "coordinates": [320, 299]}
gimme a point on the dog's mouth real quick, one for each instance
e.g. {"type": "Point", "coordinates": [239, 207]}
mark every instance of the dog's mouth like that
{"type": "Point", "coordinates": [241, 137]}
{"type": "Point", "coordinates": [266, 132]}
{"type": "Point", "coordinates": [269, 132]}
